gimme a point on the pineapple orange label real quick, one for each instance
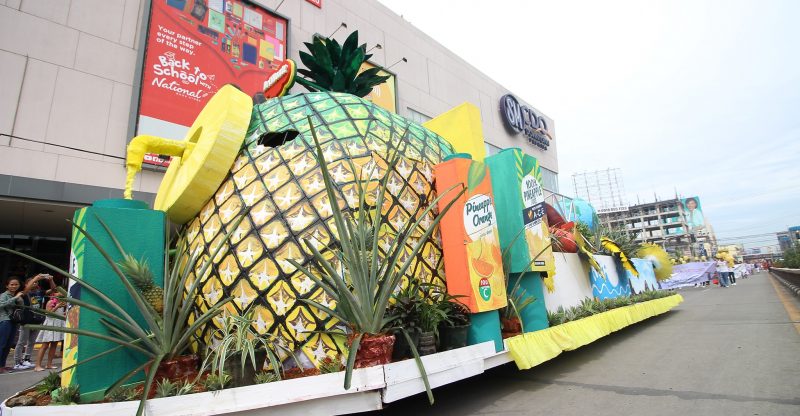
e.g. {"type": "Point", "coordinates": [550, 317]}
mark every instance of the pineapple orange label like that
{"type": "Point", "coordinates": [472, 258]}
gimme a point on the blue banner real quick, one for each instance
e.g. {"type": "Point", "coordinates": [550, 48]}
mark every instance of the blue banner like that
{"type": "Point", "coordinates": [646, 279]}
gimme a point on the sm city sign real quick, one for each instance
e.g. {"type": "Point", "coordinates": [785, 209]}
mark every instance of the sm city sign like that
{"type": "Point", "coordinates": [519, 118]}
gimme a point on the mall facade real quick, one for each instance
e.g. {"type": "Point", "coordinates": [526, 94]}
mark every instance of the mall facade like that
{"type": "Point", "coordinates": [73, 96]}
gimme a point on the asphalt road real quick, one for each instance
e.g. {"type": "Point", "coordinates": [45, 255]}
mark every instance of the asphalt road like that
{"type": "Point", "coordinates": [731, 351]}
{"type": "Point", "coordinates": [724, 351]}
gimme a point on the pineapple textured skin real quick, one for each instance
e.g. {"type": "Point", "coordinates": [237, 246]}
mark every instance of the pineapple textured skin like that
{"type": "Point", "coordinates": [283, 188]}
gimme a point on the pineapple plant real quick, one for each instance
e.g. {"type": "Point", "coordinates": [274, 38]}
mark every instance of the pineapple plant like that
{"type": "Point", "coordinates": [139, 274]}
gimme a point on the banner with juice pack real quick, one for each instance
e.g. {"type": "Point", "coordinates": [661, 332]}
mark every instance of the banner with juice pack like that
{"type": "Point", "coordinates": [472, 257]}
{"type": "Point", "coordinates": [520, 208]}
{"type": "Point", "coordinates": [524, 234]}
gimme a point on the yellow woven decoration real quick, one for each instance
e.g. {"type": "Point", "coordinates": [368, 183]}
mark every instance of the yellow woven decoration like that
{"type": "Point", "coordinates": [548, 281]}
{"type": "Point", "coordinates": [662, 264]}
{"type": "Point", "coordinates": [533, 348]}
{"type": "Point", "coordinates": [583, 249]}
{"type": "Point", "coordinates": [615, 250]}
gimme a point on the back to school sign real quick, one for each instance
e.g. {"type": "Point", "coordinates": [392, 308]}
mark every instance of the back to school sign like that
{"type": "Point", "coordinates": [194, 47]}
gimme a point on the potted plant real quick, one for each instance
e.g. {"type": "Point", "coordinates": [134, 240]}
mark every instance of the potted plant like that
{"type": "Point", "coordinates": [163, 337]}
{"type": "Point", "coordinates": [236, 344]}
{"type": "Point", "coordinates": [431, 314]}
{"type": "Point", "coordinates": [453, 331]}
{"type": "Point", "coordinates": [363, 279]}
{"type": "Point", "coordinates": [518, 297]}
{"type": "Point", "coordinates": [405, 314]}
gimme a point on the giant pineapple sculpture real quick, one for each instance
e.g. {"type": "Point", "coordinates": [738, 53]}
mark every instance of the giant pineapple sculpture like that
{"type": "Point", "coordinates": [283, 189]}
{"type": "Point", "coordinates": [270, 197]}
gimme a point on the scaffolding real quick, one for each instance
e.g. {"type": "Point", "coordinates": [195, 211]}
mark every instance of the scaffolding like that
{"type": "Point", "coordinates": [603, 189]}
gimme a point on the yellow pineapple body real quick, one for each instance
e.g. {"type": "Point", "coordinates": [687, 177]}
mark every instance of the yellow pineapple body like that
{"type": "Point", "coordinates": [155, 297]}
{"type": "Point", "coordinates": [284, 190]}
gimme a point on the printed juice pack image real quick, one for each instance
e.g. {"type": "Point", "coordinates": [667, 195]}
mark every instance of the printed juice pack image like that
{"type": "Point", "coordinates": [472, 257]}
{"type": "Point", "coordinates": [520, 209]}
{"type": "Point", "coordinates": [524, 233]}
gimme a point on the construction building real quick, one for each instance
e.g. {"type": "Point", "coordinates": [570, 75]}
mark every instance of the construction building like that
{"type": "Point", "coordinates": [670, 223]}
{"type": "Point", "coordinates": [789, 238]}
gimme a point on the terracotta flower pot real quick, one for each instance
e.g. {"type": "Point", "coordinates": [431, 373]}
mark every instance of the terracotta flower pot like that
{"type": "Point", "coordinates": [374, 350]}
{"type": "Point", "coordinates": [180, 368]}
{"type": "Point", "coordinates": [296, 372]}
{"type": "Point", "coordinates": [511, 327]}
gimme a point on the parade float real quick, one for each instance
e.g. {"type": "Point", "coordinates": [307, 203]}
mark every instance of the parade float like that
{"type": "Point", "coordinates": [308, 223]}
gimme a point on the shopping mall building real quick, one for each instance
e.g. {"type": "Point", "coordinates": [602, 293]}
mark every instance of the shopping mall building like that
{"type": "Point", "coordinates": [77, 84]}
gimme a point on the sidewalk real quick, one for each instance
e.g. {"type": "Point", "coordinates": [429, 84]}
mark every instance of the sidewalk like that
{"type": "Point", "coordinates": [13, 382]}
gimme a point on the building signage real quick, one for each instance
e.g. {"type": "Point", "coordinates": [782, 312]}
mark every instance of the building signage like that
{"type": "Point", "coordinates": [522, 119]}
{"type": "Point", "coordinates": [612, 209]}
{"type": "Point", "coordinates": [193, 48]}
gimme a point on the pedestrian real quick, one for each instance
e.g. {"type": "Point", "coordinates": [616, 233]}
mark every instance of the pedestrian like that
{"type": "Point", "coordinates": [10, 300]}
{"type": "Point", "coordinates": [34, 297]}
{"type": "Point", "coordinates": [50, 339]}
{"type": "Point", "coordinates": [722, 271]}
{"type": "Point", "coordinates": [731, 274]}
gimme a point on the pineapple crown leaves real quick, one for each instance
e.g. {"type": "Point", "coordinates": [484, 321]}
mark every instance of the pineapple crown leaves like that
{"type": "Point", "coordinates": [334, 67]}
{"type": "Point", "coordinates": [138, 271]}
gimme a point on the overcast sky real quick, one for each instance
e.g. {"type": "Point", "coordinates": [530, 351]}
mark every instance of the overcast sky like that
{"type": "Point", "coordinates": [702, 96]}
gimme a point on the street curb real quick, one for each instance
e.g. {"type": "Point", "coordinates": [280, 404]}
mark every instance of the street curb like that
{"type": "Point", "coordinates": [792, 287]}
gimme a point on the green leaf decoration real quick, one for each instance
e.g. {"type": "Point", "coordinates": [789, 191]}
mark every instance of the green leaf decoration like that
{"type": "Point", "coordinates": [330, 66]}
{"type": "Point", "coordinates": [528, 165]}
{"type": "Point", "coordinates": [477, 171]}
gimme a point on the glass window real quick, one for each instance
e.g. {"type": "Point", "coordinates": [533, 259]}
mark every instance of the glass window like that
{"type": "Point", "coordinates": [492, 149]}
{"type": "Point", "coordinates": [416, 116]}
{"type": "Point", "coordinates": [549, 180]}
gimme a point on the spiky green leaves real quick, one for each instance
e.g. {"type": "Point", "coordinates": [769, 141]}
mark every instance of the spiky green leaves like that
{"type": "Point", "coordinates": [334, 67]}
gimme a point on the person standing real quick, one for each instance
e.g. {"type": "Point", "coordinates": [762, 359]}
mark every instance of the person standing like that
{"type": "Point", "coordinates": [722, 271]}
{"type": "Point", "coordinates": [9, 300]}
{"type": "Point", "coordinates": [33, 296]}
{"type": "Point", "coordinates": [50, 339]}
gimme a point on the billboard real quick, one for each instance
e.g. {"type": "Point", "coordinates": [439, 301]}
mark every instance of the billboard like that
{"type": "Point", "coordinates": [385, 94]}
{"type": "Point", "coordinates": [693, 213]}
{"type": "Point", "coordinates": [193, 48]}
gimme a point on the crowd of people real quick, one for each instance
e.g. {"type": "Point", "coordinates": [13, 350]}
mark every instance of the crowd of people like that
{"type": "Point", "coordinates": [21, 304]}
{"type": "Point", "coordinates": [726, 275]}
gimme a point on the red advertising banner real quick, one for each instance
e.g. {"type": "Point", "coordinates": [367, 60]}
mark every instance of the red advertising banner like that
{"type": "Point", "coordinates": [317, 3]}
{"type": "Point", "coordinates": [194, 47]}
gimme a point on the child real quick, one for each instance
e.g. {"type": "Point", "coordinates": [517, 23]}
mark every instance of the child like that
{"type": "Point", "coordinates": [50, 339]}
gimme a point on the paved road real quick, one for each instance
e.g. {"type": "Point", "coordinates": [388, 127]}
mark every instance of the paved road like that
{"type": "Point", "coordinates": [724, 351]}
{"type": "Point", "coordinates": [729, 352]}
{"type": "Point", "coordinates": [11, 383]}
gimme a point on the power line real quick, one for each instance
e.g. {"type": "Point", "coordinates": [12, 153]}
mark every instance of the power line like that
{"type": "Point", "coordinates": [11, 136]}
